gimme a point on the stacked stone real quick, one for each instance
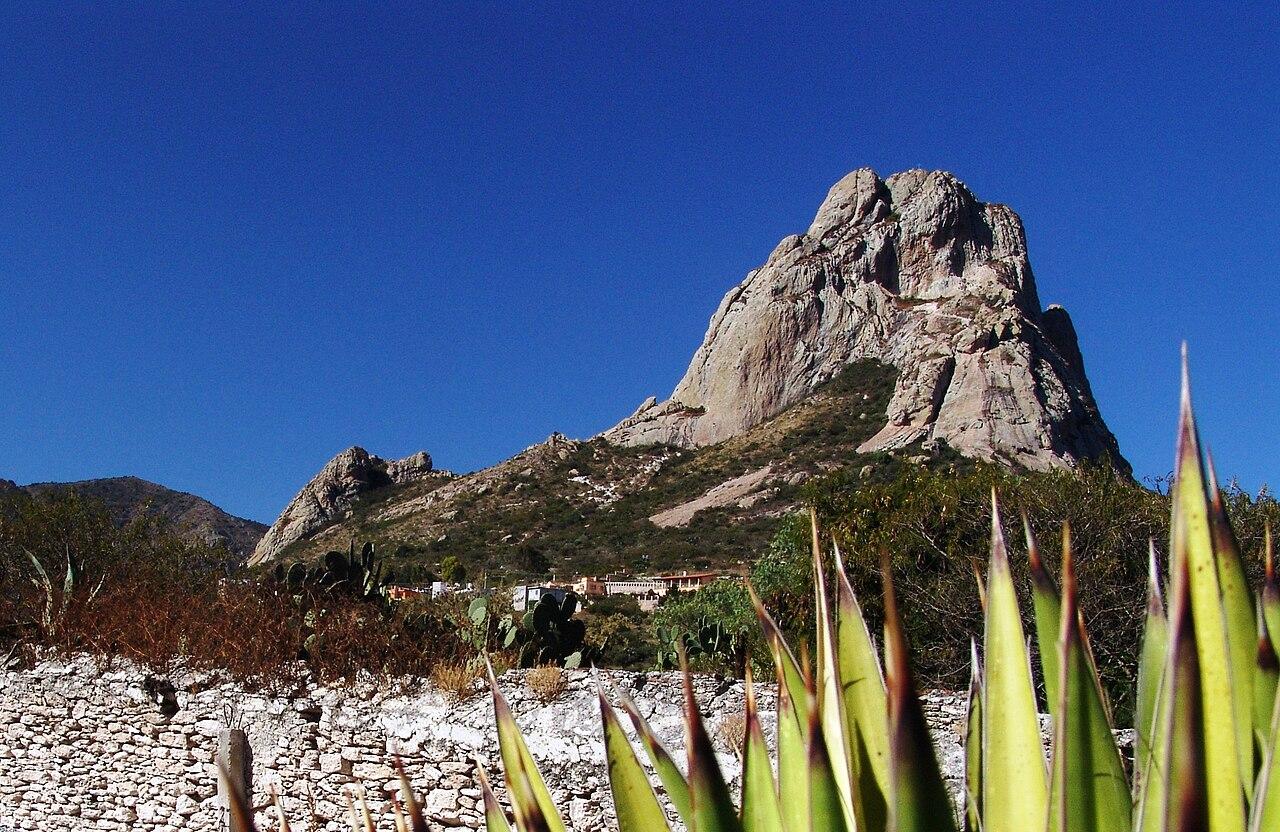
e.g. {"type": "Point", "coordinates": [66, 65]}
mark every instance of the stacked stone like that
{"type": "Point", "coordinates": [115, 749]}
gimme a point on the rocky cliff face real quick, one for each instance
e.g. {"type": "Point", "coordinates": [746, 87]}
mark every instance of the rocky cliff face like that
{"type": "Point", "coordinates": [913, 271]}
{"type": "Point", "coordinates": [331, 493]}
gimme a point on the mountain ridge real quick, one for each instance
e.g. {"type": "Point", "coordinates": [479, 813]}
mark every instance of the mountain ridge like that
{"type": "Point", "coordinates": [587, 505]}
{"type": "Point", "coordinates": [909, 276]}
{"type": "Point", "coordinates": [127, 497]}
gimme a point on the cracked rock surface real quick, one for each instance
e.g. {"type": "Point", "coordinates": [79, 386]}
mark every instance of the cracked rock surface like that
{"type": "Point", "coordinates": [913, 271]}
{"type": "Point", "coordinates": [331, 493]}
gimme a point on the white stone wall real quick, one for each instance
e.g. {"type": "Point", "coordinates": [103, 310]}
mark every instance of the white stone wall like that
{"type": "Point", "coordinates": [84, 747]}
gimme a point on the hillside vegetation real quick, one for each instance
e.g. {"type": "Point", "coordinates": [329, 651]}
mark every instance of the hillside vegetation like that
{"type": "Point", "coordinates": [127, 499]}
{"type": "Point", "coordinates": [584, 507]}
{"type": "Point", "coordinates": [143, 592]}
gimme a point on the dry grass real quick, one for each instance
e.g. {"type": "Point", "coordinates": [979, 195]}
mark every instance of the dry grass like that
{"type": "Point", "coordinates": [252, 631]}
{"type": "Point", "coordinates": [731, 731]}
{"type": "Point", "coordinates": [147, 594]}
{"type": "Point", "coordinates": [456, 681]}
{"type": "Point", "coordinates": [546, 682]}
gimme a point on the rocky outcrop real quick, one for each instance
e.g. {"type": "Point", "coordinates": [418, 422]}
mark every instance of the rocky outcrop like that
{"type": "Point", "coordinates": [330, 494]}
{"type": "Point", "coordinates": [913, 271]}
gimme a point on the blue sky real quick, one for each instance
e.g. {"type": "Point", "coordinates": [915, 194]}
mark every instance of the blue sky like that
{"type": "Point", "coordinates": [234, 241]}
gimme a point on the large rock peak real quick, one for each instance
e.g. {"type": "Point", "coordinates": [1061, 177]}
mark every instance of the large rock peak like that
{"type": "Point", "coordinates": [914, 271]}
{"type": "Point", "coordinates": [330, 495]}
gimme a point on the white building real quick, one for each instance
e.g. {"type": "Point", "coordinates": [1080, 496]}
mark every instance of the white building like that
{"type": "Point", "coordinates": [523, 597]}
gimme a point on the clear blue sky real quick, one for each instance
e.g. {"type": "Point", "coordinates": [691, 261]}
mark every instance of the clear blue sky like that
{"type": "Point", "coordinates": [234, 242]}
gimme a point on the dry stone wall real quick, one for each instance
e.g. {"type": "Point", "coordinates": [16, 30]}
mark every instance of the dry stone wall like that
{"type": "Point", "coordinates": [91, 748]}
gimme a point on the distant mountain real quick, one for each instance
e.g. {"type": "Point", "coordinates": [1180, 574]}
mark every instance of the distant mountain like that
{"type": "Point", "coordinates": [128, 497]}
{"type": "Point", "coordinates": [903, 326]}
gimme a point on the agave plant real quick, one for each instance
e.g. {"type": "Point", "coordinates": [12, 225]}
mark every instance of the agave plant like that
{"type": "Point", "coordinates": [853, 750]}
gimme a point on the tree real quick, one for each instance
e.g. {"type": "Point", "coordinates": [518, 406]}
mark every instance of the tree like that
{"type": "Point", "coordinates": [533, 560]}
{"type": "Point", "coordinates": [451, 570]}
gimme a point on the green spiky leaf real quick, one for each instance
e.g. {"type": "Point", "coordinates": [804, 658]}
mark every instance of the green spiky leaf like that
{"type": "Point", "coordinates": [534, 808]}
{"type": "Point", "coordinates": [634, 802]}
{"type": "Point", "coordinates": [761, 810]}
{"type": "Point", "coordinates": [1047, 606]}
{"type": "Point", "coordinates": [973, 745]}
{"type": "Point", "coordinates": [1088, 791]}
{"type": "Point", "coordinates": [1192, 542]}
{"type": "Point", "coordinates": [865, 703]}
{"type": "Point", "coordinates": [1014, 779]}
{"type": "Point", "coordinates": [673, 780]}
{"type": "Point", "coordinates": [711, 807]}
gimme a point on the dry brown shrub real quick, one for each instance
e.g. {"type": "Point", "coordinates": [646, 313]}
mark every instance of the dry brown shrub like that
{"type": "Point", "coordinates": [731, 731]}
{"type": "Point", "coordinates": [547, 682]}
{"type": "Point", "coordinates": [146, 594]}
{"type": "Point", "coordinates": [456, 681]}
{"type": "Point", "coordinates": [244, 630]}
{"type": "Point", "coordinates": [254, 632]}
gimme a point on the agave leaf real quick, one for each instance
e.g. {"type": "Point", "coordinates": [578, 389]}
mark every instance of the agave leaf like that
{"type": "Point", "coordinates": [364, 821]}
{"type": "Point", "coordinates": [1088, 792]}
{"type": "Point", "coordinates": [68, 579]}
{"type": "Point", "coordinates": [1270, 587]}
{"type": "Point", "coordinates": [1192, 542]}
{"type": "Point", "coordinates": [1148, 779]}
{"type": "Point", "coordinates": [711, 808]}
{"type": "Point", "coordinates": [402, 823]}
{"type": "Point", "coordinates": [918, 800]}
{"type": "Point", "coordinates": [1266, 676]}
{"type": "Point", "coordinates": [529, 813]}
{"type": "Point", "coordinates": [973, 745]}
{"type": "Point", "coordinates": [830, 694]}
{"type": "Point", "coordinates": [864, 691]}
{"type": "Point", "coordinates": [761, 811]}
{"type": "Point", "coordinates": [1266, 804]}
{"type": "Point", "coordinates": [1048, 613]}
{"type": "Point", "coordinates": [352, 820]}
{"type": "Point", "coordinates": [282, 818]}
{"type": "Point", "coordinates": [530, 799]}
{"type": "Point", "coordinates": [366, 814]}
{"type": "Point", "coordinates": [495, 820]}
{"type": "Point", "coordinates": [793, 721]}
{"type": "Point", "coordinates": [1014, 786]}
{"type": "Point", "coordinates": [417, 821]}
{"type": "Point", "coordinates": [827, 811]}
{"type": "Point", "coordinates": [1241, 621]}
{"type": "Point", "coordinates": [237, 805]}
{"type": "Point", "coordinates": [1185, 760]}
{"type": "Point", "coordinates": [673, 780]}
{"type": "Point", "coordinates": [789, 672]}
{"type": "Point", "coordinates": [793, 764]}
{"type": "Point", "coordinates": [982, 584]}
{"type": "Point", "coordinates": [43, 576]}
{"type": "Point", "coordinates": [633, 798]}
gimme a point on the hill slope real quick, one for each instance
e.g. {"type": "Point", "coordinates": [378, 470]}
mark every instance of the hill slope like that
{"type": "Point", "coordinates": [589, 507]}
{"type": "Point", "coordinates": [129, 497]}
